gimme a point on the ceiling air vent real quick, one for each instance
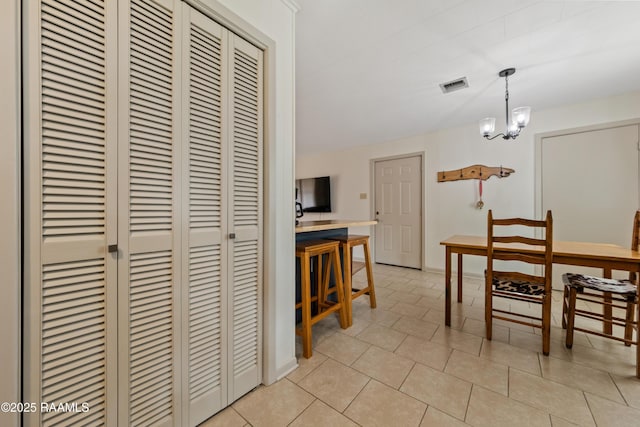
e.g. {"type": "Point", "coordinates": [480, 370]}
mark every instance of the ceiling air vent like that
{"type": "Point", "coordinates": [453, 85]}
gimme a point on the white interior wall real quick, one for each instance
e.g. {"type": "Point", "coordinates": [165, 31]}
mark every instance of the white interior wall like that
{"type": "Point", "coordinates": [450, 205]}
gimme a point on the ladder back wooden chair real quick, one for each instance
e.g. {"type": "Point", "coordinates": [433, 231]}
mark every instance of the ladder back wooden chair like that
{"type": "Point", "coordinates": [610, 294]}
{"type": "Point", "coordinates": [518, 251]}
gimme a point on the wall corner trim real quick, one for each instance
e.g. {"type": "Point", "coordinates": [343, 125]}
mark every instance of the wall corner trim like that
{"type": "Point", "coordinates": [283, 371]}
{"type": "Point", "coordinates": [292, 4]}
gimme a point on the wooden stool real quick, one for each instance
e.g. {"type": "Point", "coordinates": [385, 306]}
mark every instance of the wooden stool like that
{"type": "Point", "coordinates": [347, 244]}
{"type": "Point", "coordinates": [305, 251]}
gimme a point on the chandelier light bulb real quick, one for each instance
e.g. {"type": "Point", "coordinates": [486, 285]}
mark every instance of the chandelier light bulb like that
{"type": "Point", "coordinates": [521, 116]}
{"type": "Point", "coordinates": [487, 125]}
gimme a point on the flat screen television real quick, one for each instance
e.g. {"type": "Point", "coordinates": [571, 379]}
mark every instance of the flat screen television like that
{"type": "Point", "coordinates": [314, 194]}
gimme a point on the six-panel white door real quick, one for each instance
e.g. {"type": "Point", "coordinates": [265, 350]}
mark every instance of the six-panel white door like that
{"type": "Point", "coordinates": [398, 204]}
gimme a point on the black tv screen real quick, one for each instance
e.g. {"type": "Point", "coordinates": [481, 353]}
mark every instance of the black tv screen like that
{"type": "Point", "coordinates": [314, 194]}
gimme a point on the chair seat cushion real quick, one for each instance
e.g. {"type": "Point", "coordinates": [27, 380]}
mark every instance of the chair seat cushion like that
{"type": "Point", "coordinates": [518, 286]}
{"type": "Point", "coordinates": [580, 281]}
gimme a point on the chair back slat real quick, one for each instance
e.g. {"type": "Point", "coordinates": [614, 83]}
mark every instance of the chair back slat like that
{"type": "Point", "coordinates": [514, 256]}
{"type": "Point", "coordinates": [519, 239]}
{"type": "Point", "coordinates": [520, 221]}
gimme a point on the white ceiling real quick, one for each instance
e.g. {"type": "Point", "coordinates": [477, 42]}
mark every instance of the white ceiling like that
{"type": "Point", "coordinates": [368, 71]}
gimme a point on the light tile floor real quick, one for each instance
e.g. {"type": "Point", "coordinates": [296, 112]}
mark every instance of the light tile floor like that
{"type": "Point", "coordinates": [398, 365]}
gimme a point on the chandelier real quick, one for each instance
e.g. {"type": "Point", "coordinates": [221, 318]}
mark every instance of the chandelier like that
{"type": "Point", "coordinates": [514, 124]}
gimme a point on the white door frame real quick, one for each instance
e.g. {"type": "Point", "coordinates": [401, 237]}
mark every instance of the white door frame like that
{"type": "Point", "coordinates": [11, 211]}
{"type": "Point", "coordinates": [423, 207]}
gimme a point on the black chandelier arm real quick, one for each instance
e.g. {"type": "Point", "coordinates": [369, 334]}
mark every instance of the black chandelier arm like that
{"type": "Point", "coordinates": [506, 136]}
{"type": "Point", "coordinates": [497, 135]}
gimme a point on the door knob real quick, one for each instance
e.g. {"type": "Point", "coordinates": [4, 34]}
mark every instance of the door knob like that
{"type": "Point", "coordinates": [112, 248]}
{"type": "Point", "coordinates": [232, 235]}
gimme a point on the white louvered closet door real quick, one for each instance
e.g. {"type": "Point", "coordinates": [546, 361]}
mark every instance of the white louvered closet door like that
{"type": "Point", "coordinates": [245, 216]}
{"type": "Point", "coordinates": [70, 218]}
{"type": "Point", "coordinates": [149, 212]}
{"type": "Point", "coordinates": [204, 66]}
{"type": "Point", "coordinates": [143, 212]}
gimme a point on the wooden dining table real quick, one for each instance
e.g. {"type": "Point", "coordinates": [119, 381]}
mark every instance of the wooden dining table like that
{"type": "Point", "coordinates": [606, 256]}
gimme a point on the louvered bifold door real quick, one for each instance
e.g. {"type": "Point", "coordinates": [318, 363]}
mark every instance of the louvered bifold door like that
{"type": "Point", "coordinates": [149, 201]}
{"type": "Point", "coordinates": [245, 216]}
{"type": "Point", "coordinates": [69, 207]}
{"type": "Point", "coordinates": [204, 312]}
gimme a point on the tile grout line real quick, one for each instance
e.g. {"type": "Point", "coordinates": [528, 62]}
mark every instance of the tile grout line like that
{"type": "Point", "coordinates": [594, 361]}
{"type": "Point", "coordinates": [589, 406]}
